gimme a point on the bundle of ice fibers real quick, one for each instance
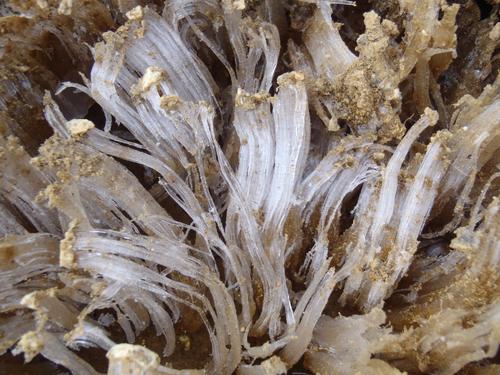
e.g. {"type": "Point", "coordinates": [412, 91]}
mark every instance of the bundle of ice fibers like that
{"type": "Point", "coordinates": [249, 187]}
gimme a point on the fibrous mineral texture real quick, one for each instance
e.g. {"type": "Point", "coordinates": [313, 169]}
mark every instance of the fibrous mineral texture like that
{"type": "Point", "coordinates": [249, 187]}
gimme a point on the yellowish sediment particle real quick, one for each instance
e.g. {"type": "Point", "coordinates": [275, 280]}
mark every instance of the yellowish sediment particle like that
{"type": "Point", "coordinates": [32, 300]}
{"type": "Point", "coordinates": [67, 256]}
{"type": "Point", "coordinates": [79, 126]}
{"type": "Point", "coordinates": [290, 78]}
{"type": "Point", "coordinates": [31, 344]}
{"type": "Point", "coordinates": [134, 357]}
{"type": "Point", "coordinates": [169, 102]}
{"type": "Point", "coordinates": [135, 14]}
{"type": "Point", "coordinates": [185, 341]}
{"type": "Point", "coordinates": [378, 156]}
{"type": "Point", "coordinates": [97, 288]}
{"type": "Point", "coordinates": [13, 147]}
{"type": "Point", "coordinates": [42, 4]}
{"type": "Point", "coordinates": [152, 76]}
{"type": "Point", "coordinates": [274, 365]}
{"type": "Point", "coordinates": [246, 100]}
{"type": "Point", "coordinates": [239, 4]}
{"type": "Point", "coordinates": [432, 115]}
{"type": "Point", "coordinates": [495, 32]}
{"type": "Point", "coordinates": [65, 7]}
{"type": "Point", "coordinates": [333, 125]}
{"type": "Point", "coordinates": [49, 194]}
{"type": "Point", "coordinates": [67, 160]}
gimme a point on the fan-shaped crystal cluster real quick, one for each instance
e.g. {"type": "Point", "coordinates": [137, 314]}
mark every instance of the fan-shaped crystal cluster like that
{"type": "Point", "coordinates": [249, 187]}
